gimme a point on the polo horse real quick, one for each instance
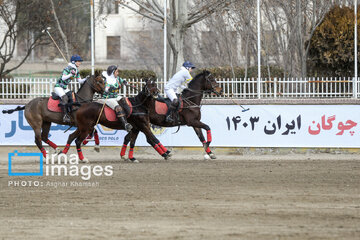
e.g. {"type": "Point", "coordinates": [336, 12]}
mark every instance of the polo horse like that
{"type": "Point", "coordinates": [42, 111]}
{"type": "Point", "coordinates": [137, 115]}
{"type": "Point", "coordinates": [188, 112]}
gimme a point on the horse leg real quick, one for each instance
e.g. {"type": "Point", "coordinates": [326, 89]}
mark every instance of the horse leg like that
{"type": "Point", "coordinates": [96, 138]}
{"type": "Point", "coordinates": [82, 135]}
{"type": "Point", "coordinates": [198, 125]}
{"type": "Point", "coordinates": [36, 126]}
{"type": "Point", "coordinates": [70, 140]}
{"type": "Point", "coordinates": [127, 139]}
{"type": "Point", "coordinates": [45, 134]}
{"type": "Point", "coordinates": [134, 135]}
{"type": "Point", "coordinates": [155, 143]}
{"type": "Point", "coordinates": [203, 141]}
{"type": "Point", "coordinates": [97, 141]}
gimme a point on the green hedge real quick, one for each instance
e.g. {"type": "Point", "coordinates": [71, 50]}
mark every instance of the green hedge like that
{"type": "Point", "coordinates": [126, 74]}
{"type": "Point", "coordinates": [225, 72]}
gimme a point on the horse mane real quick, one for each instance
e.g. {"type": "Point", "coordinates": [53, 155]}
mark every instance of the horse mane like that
{"type": "Point", "coordinates": [199, 75]}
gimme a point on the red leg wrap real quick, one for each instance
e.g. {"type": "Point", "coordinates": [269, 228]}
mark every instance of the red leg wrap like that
{"type": "Point", "coordinates": [85, 141]}
{"type": "Point", "coordinates": [158, 149]}
{"type": "Point", "coordinates": [162, 147]}
{"type": "Point", "coordinates": [208, 150]}
{"type": "Point", "coordinates": [209, 135]}
{"type": "Point", "coordinates": [66, 149]}
{"type": "Point", "coordinates": [123, 150]}
{"type": "Point", "coordinates": [81, 156]}
{"type": "Point", "coordinates": [96, 136]}
{"type": "Point", "coordinates": [43, 152]}
{"type": "Point", "coordinates": [51, 144]}
{"type": "Point", "coordinates": [131, 153]}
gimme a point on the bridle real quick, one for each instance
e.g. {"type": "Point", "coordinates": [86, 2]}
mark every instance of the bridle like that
{"type": "Point", "coordinates": [92, 87]}
{"type": "Point", "coordinates": [147, 94]}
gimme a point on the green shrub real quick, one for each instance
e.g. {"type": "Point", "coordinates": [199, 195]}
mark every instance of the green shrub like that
{"type": "Point", "coordinates": [226, 72]}
{"type": "Point", "coordinates": [126, 74]}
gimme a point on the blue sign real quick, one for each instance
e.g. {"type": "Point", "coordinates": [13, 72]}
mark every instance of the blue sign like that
{"type": "Point", "coordinates": [16, 153]}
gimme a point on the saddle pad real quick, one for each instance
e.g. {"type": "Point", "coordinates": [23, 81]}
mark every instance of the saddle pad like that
{"type": "Point", "coordinates": [110, 114]}
{"type": "Point", "coordinates": [53, 105]}
{"type": "Point", "coordinates": [129, 105]}
{"type": "Point", "coordinates": [161, 108]}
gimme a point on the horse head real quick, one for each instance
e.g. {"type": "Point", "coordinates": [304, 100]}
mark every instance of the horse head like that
{"type": "Point", "coordinates": [97, 82]}
{"type": "Point", "coordinates": [210, 83]}
{"type": "Point", "coordinates": [150, 88]}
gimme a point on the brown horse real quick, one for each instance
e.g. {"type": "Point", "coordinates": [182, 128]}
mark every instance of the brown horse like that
{"type": "Point", "coordinates": [40, 117]}
{"type": "Point", "coordinates": [190, 114]}
{"type": "Point", "coordinates": [88, 114]}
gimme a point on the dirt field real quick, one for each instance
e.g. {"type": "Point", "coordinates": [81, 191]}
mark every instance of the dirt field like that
{"type": "Point", "coordinates": [233, 197]}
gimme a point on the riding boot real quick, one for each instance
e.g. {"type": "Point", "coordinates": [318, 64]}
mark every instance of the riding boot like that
{"type": "Point", "coordinates": [64, 108]}
{"type": "Point", "coordinates": [120, 114]}
{"type": "Point", "coordinates": [170, 111]}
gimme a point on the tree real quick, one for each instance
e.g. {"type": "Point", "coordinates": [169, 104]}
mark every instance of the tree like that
{"type": "Point", "coordinates": [332, 45]}
{"type": "Point", "coordinates": [179, 19]}
{"type": "Point", "coordinates": [23, 20]}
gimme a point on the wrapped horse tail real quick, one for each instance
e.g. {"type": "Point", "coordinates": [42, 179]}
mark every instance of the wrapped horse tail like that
{"type": "Point", "coordinates": [10, 111]}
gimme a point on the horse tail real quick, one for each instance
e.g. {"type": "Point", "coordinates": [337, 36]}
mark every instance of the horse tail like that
{"type": "Point", "coordinates": [177, 129]}
{"type": "Point", "coordinates": [10, 111]}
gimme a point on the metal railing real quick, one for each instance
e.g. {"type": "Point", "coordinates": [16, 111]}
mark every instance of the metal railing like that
{"type": "Point", "coordinates": [290, 88]}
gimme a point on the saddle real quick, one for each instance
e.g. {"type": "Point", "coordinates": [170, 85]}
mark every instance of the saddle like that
{"type": "Point", "coordinates": [162, 105]}
{"type": "Point", "coordinates": [54, 102]}
{"type": "Point", "coordinates": [125, 104]}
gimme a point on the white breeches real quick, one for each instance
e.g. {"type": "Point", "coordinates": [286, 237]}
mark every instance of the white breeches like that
{"type": "Point", "coordinates": [110, 102]}
{"type": "Point", "coordinates": [60, 91]}
{"type": "Point", "coordinates": [170, 93]}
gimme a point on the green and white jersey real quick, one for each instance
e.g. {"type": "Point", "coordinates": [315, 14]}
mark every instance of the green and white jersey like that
{"type": "Point", "coordinates": [68, 75]}
{"type": "Point", "coordinates": [112, 85]}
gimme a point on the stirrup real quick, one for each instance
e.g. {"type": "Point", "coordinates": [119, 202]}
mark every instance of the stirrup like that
{"type": "Point", "coordinates": [128, 127]}
{"type": "Point", "coordinates": [66, 118]}
{"type": "Point", "coordinates": [169, 119]}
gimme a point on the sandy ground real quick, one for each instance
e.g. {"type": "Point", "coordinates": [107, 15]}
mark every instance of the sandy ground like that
{"type": "Point", "coordinates": [295, 196]}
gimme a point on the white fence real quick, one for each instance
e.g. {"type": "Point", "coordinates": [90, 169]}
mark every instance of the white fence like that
{"type": "Point", "coordinates": [28, 88]}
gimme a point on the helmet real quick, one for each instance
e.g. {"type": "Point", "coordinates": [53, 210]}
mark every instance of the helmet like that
{"type": "Point", "coordinates": [188, 65]}
{"type": "Point", "coordinates": [75, 58]}
{"type": "Point", "coordinates": [111, 69]}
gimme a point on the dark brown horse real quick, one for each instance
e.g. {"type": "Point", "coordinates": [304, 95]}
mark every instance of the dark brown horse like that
{"type": "Point", "coordinates": [88, 114]}
{"type": "Point", "coordinates": [40, 117]}
{"type": "Point", "coordinates": [190, 114]}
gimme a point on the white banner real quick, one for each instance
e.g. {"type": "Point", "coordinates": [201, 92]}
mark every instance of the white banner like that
{"type": "Point", "coordinates": [261, 126]}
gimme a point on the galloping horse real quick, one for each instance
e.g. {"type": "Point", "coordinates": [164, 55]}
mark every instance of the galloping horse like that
{"type": "Point", "coordinates": [40, 117]}
{"type": "Point", "coordinates": [190, 114]}
{"type": "Point", "coordinates": [88, 114]}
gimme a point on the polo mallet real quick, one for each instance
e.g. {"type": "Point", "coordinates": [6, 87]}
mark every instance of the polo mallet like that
{"type": "Point", "coordinates": [244, 109]}
{"type": "Point", "coordinates": [47, 31]}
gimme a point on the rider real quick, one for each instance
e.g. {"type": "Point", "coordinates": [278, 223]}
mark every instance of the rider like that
{"type": "Point", "coordinates": [69, 73]}
{"type": "Point", "coordinates": [182, 76]}
{"type": "Point", "coordinates": [111, 95]}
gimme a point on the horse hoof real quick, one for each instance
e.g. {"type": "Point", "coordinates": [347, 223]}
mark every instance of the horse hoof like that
{"type": "Point", "coordinates": [85, 160]}
{"type": "Point", "coordinates": [169, 153]}
{"type": "Point", "coordinates": [212, 156]}
{"type": "Point", "coordinates": [123, 158]}
{"type": "Point", "coordinates": [57, 151]}
{"type": "Point", "coordinates": [133, 160]}
{"type": "Point", "coordinates": [206, 157]}
{"type": "Point", "coordinates": [97, 148]}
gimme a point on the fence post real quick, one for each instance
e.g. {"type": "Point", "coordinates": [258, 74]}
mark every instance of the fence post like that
{"type": "Point", "coordinates": [275, 87]}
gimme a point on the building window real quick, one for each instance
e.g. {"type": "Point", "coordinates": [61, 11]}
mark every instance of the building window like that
{"type": "Point", "coordinates": [113, 47]}
{"type": "Point", "coordinates": [109, 7]}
